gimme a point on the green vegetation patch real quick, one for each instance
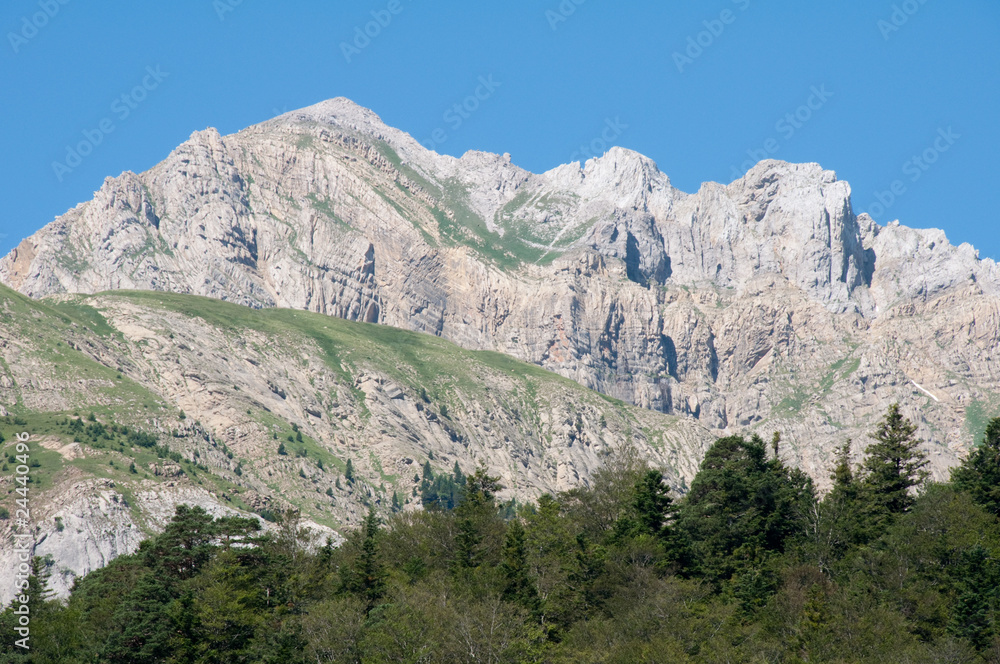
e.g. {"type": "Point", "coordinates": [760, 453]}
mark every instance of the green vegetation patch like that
{"type": "Point", "coordinates": [977, 416]}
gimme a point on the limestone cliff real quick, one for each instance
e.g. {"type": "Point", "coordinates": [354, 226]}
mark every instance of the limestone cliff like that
{"type": "Point", "coordinates": [765, 303]}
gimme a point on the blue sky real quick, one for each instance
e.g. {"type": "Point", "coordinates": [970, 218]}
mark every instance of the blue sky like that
{"type": "Point", "coordinates": [901, 98]}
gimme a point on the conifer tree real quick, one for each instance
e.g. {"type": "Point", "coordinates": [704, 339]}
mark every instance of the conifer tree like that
{"type": "Point", "coordinates": [369, 578]}
{"type": "Point", "coordinates": [477, 506]}
{"type": "Point", "coordinates": [979, 474]}
{"type": "Point", "coordinates": [651, 503]}
{"type": "Point", "coordinates": [741, 505]}
{"type": "Point", "coordinates": [517, 584]}
{"type": "Point", "coordinates": [838, 522]}
{"type": "Point", "coordinates": [976, 594]}
{"type": "Point", "coordinates": [894, 464]}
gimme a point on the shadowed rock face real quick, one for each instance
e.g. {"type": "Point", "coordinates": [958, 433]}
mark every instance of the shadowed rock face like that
{"type": "Point", "coordinates": [765, 303]}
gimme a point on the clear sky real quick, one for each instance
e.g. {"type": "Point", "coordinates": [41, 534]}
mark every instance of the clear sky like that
{"type": "Point", "coordinates": [899, 97]}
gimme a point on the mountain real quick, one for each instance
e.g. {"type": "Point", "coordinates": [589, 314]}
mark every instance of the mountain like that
{"type": "Point", "coordinates": [137, 402]}
{"type": "Point", "coordinates": [763, 305]}
{"type": "Point", "coordinates": [766, 303]}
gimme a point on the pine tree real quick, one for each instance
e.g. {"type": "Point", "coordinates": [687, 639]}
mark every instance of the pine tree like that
{"type": "Point", "coordinates": [517, 584]}
{"type": "Point", "coordinates": [979, 474]}
{"type": "Point", "coordinates": [185, 546]}
{"type": "Point", "coordinates": [839, 521]}
{"type": "Point", "coordinates": [742, 506]}
{"type": "Point", "coordinates": [349, 472]}
{"type": "Point", "coordinates": [477, 506]}
{"type": "Point", "coordinates": [843, 475]}
{"type": "Point", "coordinates": [893, 465]}
{"type": "Point", "coordinates": [467, 544]}
{"type": "Point", "coordinates": [653, 504]}
{"type": "Point", "coordinates": [976, 591]}
{"type": "Point", "coordinates": [143, 629]}
{"type": "Point", "coordinates": [369, 577]}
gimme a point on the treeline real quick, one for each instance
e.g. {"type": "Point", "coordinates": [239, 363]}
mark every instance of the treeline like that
{"type": "Point", "coordinates": [748, 566]}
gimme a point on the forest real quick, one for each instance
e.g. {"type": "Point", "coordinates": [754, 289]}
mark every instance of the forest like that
{"type": "Point", "coordinates": [748, 565]}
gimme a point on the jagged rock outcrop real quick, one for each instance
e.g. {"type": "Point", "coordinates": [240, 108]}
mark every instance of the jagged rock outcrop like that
{"type": "Point", "coordinates": [246, 411]}
{"type": "Point", "coordinates": [765, 303]}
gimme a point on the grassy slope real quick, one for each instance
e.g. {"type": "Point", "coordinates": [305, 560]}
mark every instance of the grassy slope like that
{"type": "Point", "coordinates": [451, 377]}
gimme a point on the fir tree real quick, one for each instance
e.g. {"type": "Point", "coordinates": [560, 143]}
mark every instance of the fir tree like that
{"type": "Point", "coordinates": [369, 578]}
{"type": "Point", "coordinates": [476, 508]}
{"type": "Point", "coordinates": [742, 506]}
{"type": "Point", "coordinates": [976, 593]}
{"type": "Point", "coordinates": [979, 474]}
{"type": "Point", "coordinates": [893, 465]}
{"type": "Point", "coordinates": [517, 584]}
{"type": "Point", "coordinates": [839, 521]}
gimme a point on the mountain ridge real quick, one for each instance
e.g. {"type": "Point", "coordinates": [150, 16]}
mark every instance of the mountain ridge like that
{"type": "Point", "coordinates": [737, 306]}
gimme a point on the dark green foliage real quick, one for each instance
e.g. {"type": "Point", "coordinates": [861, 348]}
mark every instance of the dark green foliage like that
{"type": "Point", "coordinates": [743, 508]}
{"type": "Point", "coordinates": [442, 491]}
{"type": "Point", "coordinates": [893, 465]}
{"type": "Point", "coordinates": [366, 579]}
{"type": "Point", "coordinates": [839, 521]}
{"type": "Point", "coordinates": [475, 515]}
{"type": "Point", "coordinates": [349, 471]}
{"type": "Point", "coordinates": [979, 474]}
{"type": "Point", "coordinates": [281, 449]}
{"type": "Point", "coordinates": [746, 567]}
{"type": "Point", "coordinates": [973, 614]}
{"type": "Point", "coordinates": [141, 439]}
{"type": "Point", "coordinates": [140, 627]}
{"type": "Point", "coordinates": [518, 587]}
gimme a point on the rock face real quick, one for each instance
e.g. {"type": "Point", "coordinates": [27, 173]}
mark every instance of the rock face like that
{"type": "Point", "coordinates": [261, 411]}
{"type": "Point", "coordinates": [763, 304]}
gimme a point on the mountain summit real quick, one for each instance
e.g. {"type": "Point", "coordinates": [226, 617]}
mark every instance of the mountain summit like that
{"type": "Point", "coordinates": [764, 303]}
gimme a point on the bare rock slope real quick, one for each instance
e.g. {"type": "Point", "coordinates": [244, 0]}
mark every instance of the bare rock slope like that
{"type": "Point", "coordinates": [765, 303]}
{"type": "Point", "coordinates": [136, 402]}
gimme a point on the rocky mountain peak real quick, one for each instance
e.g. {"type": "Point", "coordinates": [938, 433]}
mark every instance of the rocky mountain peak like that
{"type": "Point", "coordinates": [762, 302]}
